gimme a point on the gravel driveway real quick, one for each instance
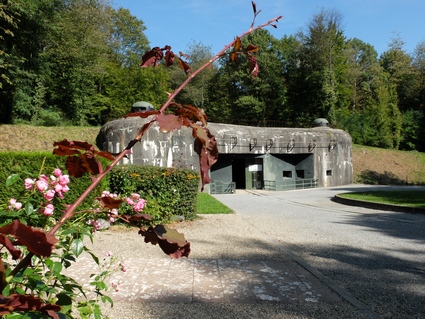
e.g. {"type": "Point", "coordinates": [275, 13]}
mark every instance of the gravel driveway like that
{"type": "Point", "coordinates": [373, 259]}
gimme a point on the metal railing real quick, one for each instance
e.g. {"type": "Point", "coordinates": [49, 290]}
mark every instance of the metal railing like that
{"type": "Point", "coordinates": [219, 187]}
{"type": "Point", "coordinates": [290, 184]}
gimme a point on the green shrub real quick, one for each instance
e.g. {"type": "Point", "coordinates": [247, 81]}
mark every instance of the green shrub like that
{"type": "Point", "coordinates": [31, 165]}
{"type": "Point", "coordinates": [169, 192]}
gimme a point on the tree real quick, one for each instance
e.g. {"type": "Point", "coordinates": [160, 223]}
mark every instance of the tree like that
{"type": "Point", "coordinates": [313, 85]}
{"type": "Point", "coordinates": [235, 95]}
{"type": "Point", "coordinates": [26, 36]}
{"type": "Point", "coordinates": [194, 93]}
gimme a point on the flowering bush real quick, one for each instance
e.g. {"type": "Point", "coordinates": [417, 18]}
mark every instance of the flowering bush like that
{"type": "Point", "coordinates": [36, 282]}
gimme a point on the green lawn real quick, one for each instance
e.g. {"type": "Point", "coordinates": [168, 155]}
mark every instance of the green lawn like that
{"type": "Point", "coordinates": [206, 204]}
{"type": "Point", "coordinates": [403, 198]}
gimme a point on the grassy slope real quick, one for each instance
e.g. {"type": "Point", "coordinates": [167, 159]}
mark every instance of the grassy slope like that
{"type": "Point", "coordinates": [371, 165]}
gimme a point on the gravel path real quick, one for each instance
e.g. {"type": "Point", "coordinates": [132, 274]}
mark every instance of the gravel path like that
{"type": "Point", "coordinates": [373, 259]}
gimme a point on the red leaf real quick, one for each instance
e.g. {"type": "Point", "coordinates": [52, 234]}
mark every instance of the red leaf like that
{"type": "Point", "coordinates": [254, 68]}
{"type": "Point", "coordinates": [5, 241]}
{"type": "Point", "coordinates": [75, 167]}
{"type": "Point", "coordinates": [169, 58]}
{"type": "Point", "coordinates": [74, 145]}
{"type": "Point", "coordinates": [90, 163]}
{"type": "Point", "coordinates": [142, 114]}
{"type": "Point", "coordinates": [254, 7]}
{"type": "Point", "coordinates": [26, 303]}
{"type": "Point", "coordinates": [152, 57]}
{"type": "Point", "coordinates": [192, 113]}
{"type": "Point", "coordinates": [185, 66]}
{"type": "Point", "coordinates": [110, 202]}
{"type": "Point", "coordinates": [106, 155]}
{"type": "Point", "coordinates": [37, 241]}
{"type": "Point", "coordinates": [140, 217]}
{"type": "Point", "coordinates": [236, 50]}
{"type": "Point", "coordinates": [186, 56]}
{"type": "Point", "coordinates": [171, 241]}
{"type": "Point", "coordinates": [251, 48]}
{"type": "Point", "coordinates": [169, 122]}
{"type": "Point", "coordinates": [208, 154]}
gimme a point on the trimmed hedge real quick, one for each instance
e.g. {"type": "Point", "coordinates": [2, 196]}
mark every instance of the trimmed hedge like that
{"type": "Point", "coordinates": [169, 191]}
{"type": "Point", "coordinates": [31, 165]}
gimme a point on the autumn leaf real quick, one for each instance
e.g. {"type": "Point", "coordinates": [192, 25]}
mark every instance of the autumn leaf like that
{"type": "Point", "coordinates": [251, 48]}
{"type": "Point", "coordinates": [152, 57]}
{"type": "Point", "coordinates": [236, 50]}
{"type": "Point", "coordinates": [143, 115]}
{"type": "Point", "coordinates": [169, 58]}
{"type": "Point", "coordinates": [186, 56]}
{"type": "Point", "coordinates": [6, 242]}
{"type": "Point", "coordinates": [169, 122]}
{"type": "Point", "coordinates": [110, 202]}
{"type": "Point", "coordinates": [37, 241]}
{"type": "Point", "coordinates": [253, 64]}
{"type": "Point", "coordinates": [25, 303]}
{"type": "Point", "coordinates": [170, 240]}
{"type": "Point", "coordinates": [207, 150]}
{"type": "Point", "coordinates": [185, 66]}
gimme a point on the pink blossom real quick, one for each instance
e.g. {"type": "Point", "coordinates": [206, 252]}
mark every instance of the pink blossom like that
{"type": "Point", "coordinates": [114, 211]}
{"type": "Point", "coordinates": [48, 211]}
{"type": "Point", "coordinates": [58, 188]}
{"type": "Point", "coordinates": [49, 194]}
{"type": "Point", "coordinates": [140, 205]}
{"type": "Point", "coordinates": [63, 180]}
{"type": "Point", "coordinates": [95, 224]}
{"type": "Point", "coordinates": [14, 204]}
{"type": "Point", "coordinates": [108, 254]}
{"type": "Point", "coordinates": [29, 183]}
{"type": "Point", "coordinates": [57, 172]}
{"type": "Point", "coordinates": [65, 189]}
{"type": "Point", "coordinates": [111, 219]}
{"type": "Point", "coordinates": [42, 185]}
{"type": "Point", "coordinates": [130, 201]}
{"type": "Point", "coordinates": [135, 196]}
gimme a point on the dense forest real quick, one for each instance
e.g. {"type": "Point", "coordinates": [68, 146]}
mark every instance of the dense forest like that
{"type": "Point", "coordinates": [76, 62]}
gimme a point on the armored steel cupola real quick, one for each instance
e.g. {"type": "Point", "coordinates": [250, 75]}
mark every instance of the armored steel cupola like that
{"type": "Point", "coordinates": [320, 122]}
{"type": "Point", "coordinates": [141, 106]}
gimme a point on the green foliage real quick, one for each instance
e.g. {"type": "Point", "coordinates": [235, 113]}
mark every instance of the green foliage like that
{"type": "Point", "coordinates": [169, 192]}
{"type": "Point", "coordinates": [207, 204]}
{"type": "Point", "coordinates": [31, 165]}
{"type": "Point", "coordinates": [402, 198]}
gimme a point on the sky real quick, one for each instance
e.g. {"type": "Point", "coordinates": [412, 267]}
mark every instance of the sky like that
{"type": "Point", "coordinates": [215, 23]}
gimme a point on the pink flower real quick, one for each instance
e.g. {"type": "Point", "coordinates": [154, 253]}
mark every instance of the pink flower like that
{"type": "Point", "coordinates": [135, 196]}
{"type": "Point", "coordinates": [48, 211]}
{"type": "Point", "coordinates": [105, 194]}
{"type": "Point", "coordinates": [42, 185]}
{"type": "Point", "coordinates": [129, 201]}
{"type": "Point", "coordinates": [14, 204]}
{"type": "Point", "coordinates": [49, 194]}
{"type": "Point", "coordinates": [65, 189]}
{"type": "Point", "coordinates": [29, 183]}
{"type": "Point", "coordinates": [63, 180]}
{"type": "Point", "coordinates": [114, 211]}
{"type": "Point", "coordinates": [58, 188]}
{"type": "Point", "coordinates": [57, 172]}
{"type": "Point", "coordinates": [140, 205]}
{"type": "Point", "coordinates": [95, 224]}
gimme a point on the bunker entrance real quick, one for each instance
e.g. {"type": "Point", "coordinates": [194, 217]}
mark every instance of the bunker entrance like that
{"type": "Point", "coordinates": [266, 171]}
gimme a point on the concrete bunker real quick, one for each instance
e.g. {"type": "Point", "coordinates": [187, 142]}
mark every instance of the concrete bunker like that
{"type": "Point", "coordinates": [249, 157]}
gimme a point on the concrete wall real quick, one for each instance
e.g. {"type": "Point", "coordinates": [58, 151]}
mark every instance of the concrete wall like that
{"type": "Point", "coordinates": [322, 153]}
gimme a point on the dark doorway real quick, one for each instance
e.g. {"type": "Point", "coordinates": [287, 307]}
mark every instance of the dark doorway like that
{"type": "Point", "coordinates": [238, 173]}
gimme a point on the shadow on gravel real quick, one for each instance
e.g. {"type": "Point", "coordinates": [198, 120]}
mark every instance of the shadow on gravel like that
{"type": "Point", "coordinates": [399, 225]}
{"type": "Point", "coordinates": [390, 286]}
